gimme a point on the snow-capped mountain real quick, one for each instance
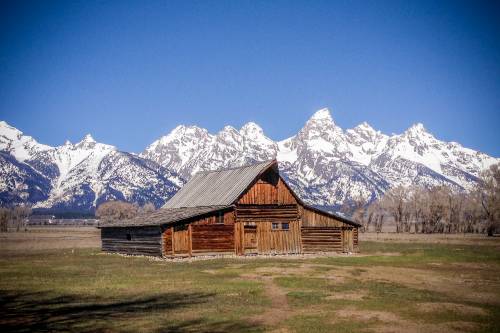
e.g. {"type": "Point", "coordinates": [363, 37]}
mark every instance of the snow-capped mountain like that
{"type": "Point", "coordinates": [189, 149]}
{"type": "Point", "coordinates": [79, 176]}
{"type": "Point", "coordinates": [325, 164]}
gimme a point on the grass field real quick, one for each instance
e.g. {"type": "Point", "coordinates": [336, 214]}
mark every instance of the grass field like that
{"type": "Point", "coordinates": [391, 286]}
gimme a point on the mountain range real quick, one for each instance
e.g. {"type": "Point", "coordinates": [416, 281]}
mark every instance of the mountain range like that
{"type": "Point", "coordinates": [324, 164]}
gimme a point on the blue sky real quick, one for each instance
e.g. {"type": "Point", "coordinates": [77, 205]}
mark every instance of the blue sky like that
{"type": "Point", "coordinates": [130, 71]}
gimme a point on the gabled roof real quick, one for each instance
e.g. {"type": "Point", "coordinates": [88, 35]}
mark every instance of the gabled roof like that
{"type": "Point", "coordinates": [164, 216]}
{"type": "Point", "coordinates": [209, 192]}
{"type": "Point", "coordinates": [218, 188]}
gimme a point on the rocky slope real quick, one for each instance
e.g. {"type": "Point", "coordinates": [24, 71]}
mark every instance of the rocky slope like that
{"type": "Point", "coordinates": [77, 177]}
{"type": "Point", "coordinates": [325, 164]}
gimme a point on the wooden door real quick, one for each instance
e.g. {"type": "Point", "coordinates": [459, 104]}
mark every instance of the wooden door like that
{"type": "Point", "coordinates": [250, 238]}
{"type": "Point", "coordinates": [347, 240]}
{"type": "Point", "coordinates": [181, 240]}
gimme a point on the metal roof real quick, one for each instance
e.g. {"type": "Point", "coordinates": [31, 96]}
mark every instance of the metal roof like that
{"type": "Point", "coordinates": [220, 188]}
{"type": "Point", "coordinates": [163, 216]}
{"type": "Point", "coordinates": [331, 214]}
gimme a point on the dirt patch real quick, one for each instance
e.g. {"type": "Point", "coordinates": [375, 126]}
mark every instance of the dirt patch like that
{"type": "Point", "coordinates": [280, 309]}
{"type": "Point", "coordinates": [300, 270]}
{"type": "Point", "coordinates": [210, 271]}
{"type": "Point", "coordinates": [385, 254]}
{"type": "Point", "coordinates": [462, 285]}
{"type": "Point", "coordinates": [365, 315]}
{"type": "Point", "coordinates": [350, 296]}
{"type": "Point", "coordinates": [391, 323]}
{"type": "Point", "coordinates": [412, 327]}
{"type": "Point", "coordinates": [458, 308]}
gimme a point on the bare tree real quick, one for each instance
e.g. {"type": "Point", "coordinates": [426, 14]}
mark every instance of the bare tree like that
{"type": "Point", "coordinates": [435, 209]}
{"type": "Point", "coordinates": [116, 210]}
{"type": "Point", "coordinates": [4, 219]}
{"type": "Point", "coordinates": [416, 206]}
{"type": "Point", "coordinates": [358, 208]}
{"type": "Point", "coordinates": [490, 197]}
{"type": "Point", "coordinates": [394, 202]}
{"type": "Point", "coordinates": [376, 216]}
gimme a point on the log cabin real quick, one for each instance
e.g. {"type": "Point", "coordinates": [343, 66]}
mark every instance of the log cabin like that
{"type": "Point", "coordinates": [242, 211]}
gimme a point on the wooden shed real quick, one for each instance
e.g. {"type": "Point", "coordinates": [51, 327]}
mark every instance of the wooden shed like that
{"type": "Point", "coordinates": [245, 210]}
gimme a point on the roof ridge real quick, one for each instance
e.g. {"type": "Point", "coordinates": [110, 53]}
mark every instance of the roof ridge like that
{"type": "Point", "coordinates": [235, 168]}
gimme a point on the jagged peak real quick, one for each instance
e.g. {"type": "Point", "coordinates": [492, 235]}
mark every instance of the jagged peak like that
{"type": "Point", "coordinates": [88, 139]}
{"type": "Point", "coordinates": [67, 143]}
{"type": "Point", "coordinates": [9, 130]}
{"type": "Point", "coordinates": [251, 127]}
{"type": "Point", "coordinates": [323, 114]}
{"type": "Point", "coordinates": [416, 129]}
{"type": "Point", "coordinates": [364, 126]}
{"type": "Point", "coordinates": [252, 130]}
{"type": "Point", "coordinates": [183, 130]}
{"type": "Point", "coordinates": [228, 129]}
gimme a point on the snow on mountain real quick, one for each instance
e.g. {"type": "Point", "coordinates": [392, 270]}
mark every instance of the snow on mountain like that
{"type": "Point", "coordinates": [77, 177]}
{"type": "Point", "coordinates": [190, 149]}
{"type": "Point", "coordinates": [20, 146]}
{"type": "Point", "coordinates": [325, 164]}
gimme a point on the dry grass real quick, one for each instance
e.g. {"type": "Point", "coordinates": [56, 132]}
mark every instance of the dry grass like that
{"type": "Point", "coordinates": [57, 280]}
{"type": "Point", "coordinates": [50, 237]}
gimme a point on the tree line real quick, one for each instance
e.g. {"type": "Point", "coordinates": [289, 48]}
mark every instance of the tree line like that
{"type": "Point", "coordinates": [119, 210]}
{"type": "Point", "coordinates": [14, 217]}
{"type": "Point", "coordinates": [437, 209]}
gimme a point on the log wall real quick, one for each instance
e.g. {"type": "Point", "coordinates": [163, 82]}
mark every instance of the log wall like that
{"type": "Point", "coordinates": [311, 218]}
{"type": "Point", "coordinates": [268, 190]}
{"type": "Point", "coordinates": [132, 240]}
{"type": "Point", "coordinates": [278, 241]}
{"type": "Point", "coordinates": [355, 239]}
{"type": "Point", "coordinates": [321, 239]}
{"type": "Point", "coordinates": [202, 235]}
{"type": "Point", "coordinates": [255, 213]}
{"type": "Point", "coordinates": [228, 219]}
{"type": "Point", "coordinates": [213, 238]}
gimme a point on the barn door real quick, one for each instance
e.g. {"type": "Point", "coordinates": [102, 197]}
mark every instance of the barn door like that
{"type": "Point", "coordinates": [250, 238]}
{"type": "Point", "coordinates": [347, 240]}
{"type": "Point", "coordinates": [181, 239]}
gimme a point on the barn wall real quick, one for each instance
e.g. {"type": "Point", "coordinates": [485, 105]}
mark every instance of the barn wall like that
{"type": "Point", "coordinates": [321, 232]}
{"type": "Point", "coordinates": [356, 239]}
{"type": "Point", "coordinates": [322, 239]}
{"type": "Point", "coordinates": [311, 218]}
{"type": "Point", "coordinates": [213, 238]}
{"type": "Point", "coordinates": [143, 240]}
{"type": "Point", "coordinates": [202, 235]}
{"type": "Point", "coordinates": [268, 190]}
{"type": "Point", "coordinates": [256, 213]}
{"type": "Point", "coordinates": [228, 219]}
{"type": "Point", "coordinates": [278, 241]}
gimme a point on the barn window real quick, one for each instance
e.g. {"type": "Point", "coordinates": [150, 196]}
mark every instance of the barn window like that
{"type": "Point", "coordinates": [129, 237]}
{"type": "Point", "coordinates": [220, 218]}
{"type": "Point", "coordinates": [285, 226]}
{"type": "Point", "coordinates": [276, 226]}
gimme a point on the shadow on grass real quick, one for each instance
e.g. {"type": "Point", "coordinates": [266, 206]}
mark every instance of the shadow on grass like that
{"type": "Point", "coordinates": [43, 312]}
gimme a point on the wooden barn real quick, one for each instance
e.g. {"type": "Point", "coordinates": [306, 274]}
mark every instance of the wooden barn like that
{"type": "Point", "coordinates": [246, 210]}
